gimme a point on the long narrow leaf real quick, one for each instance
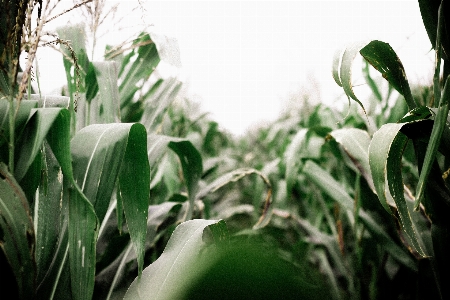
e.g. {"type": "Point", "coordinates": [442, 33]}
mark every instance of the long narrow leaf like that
{"type": "Point", "coordinates": [134, 184]}
{"type": "Point", "coordinates": [17, 235]}
{"type": "Point", "coordinates": [192, 165]}
{"type": "Point", "coordinates": [385, 153]}
{"type": "Point", "coordinates": [435, 139]}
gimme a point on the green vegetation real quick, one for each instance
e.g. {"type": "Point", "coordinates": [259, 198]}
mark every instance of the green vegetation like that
{"type": "Point", "coordinates": [121, 189]}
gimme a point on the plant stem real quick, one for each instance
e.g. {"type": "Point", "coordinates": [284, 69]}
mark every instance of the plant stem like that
{"type": "Point", "coordinates": [11, 133]}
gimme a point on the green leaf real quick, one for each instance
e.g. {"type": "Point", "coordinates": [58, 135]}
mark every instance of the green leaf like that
{"type": "Point", "coordinates": [134, 186]}
{"type": "Point", "coordinates": [356, 144]}
{"type": "Point", "coordinates": [131, 73]}
{"type": "Point", "coordinates": [192, 165]}
{"type": "Point", "coordinates": [97, 153]}
{"type": "Point", "coordinates": [83, 230]}
{"type": "Point", "coordinates": [379, 149]}
{"type": "Point", "coordinates": [429, 11]}
{"type": "Point", "coordinates": [234, 176]}
{"type": "Point", "coordinates": [91, 83]}
{"type": "Point", "coordinates": [17, 237]}
{"type": "Point", "coordinates": [157, 146]}
{"type": "Point", "coordinates": [106, 107]}
{"type": "Point", "coordinates": [371, 82]}
{"type": "Point", "coordinates": [435, 140]}
{"type": "Point", "coordinates": [21, 119]}
{"type": "Point", "coordinates": [293, 157]}
{"type": "Point", "coordinates": [50, 223]}
{"type": "Point", "coordinates": [385, 155]}
{"type": "Point", "coordinates": [101, 154]}
{"type": "Point", "coordinates": [383, 58]}
{"type": "Point", "coordinates": [337, 192]}
{"type": "Point", "coordinates": [166, 278]}
{"type": "Point", "coordinates": [345, 70]}
{"type": "Point", "coordinates": [327, 183]}
{"type": "Point", "coordinates": [39, 124]}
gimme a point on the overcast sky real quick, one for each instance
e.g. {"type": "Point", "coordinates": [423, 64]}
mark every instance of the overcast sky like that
{"type": "Point", "coordinates": [243, 58]}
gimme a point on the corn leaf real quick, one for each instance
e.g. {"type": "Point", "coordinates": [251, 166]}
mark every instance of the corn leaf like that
{"type": "Point", "coordinates": [356, 144]}
{"type": "Point", "coordinates": [105, 108]}
{"type": "Point", "coordinates": [192, 165]}
{"type": "Point", "coordinates": [102, 153]}
{"type": "Point", "coordinates": [385, 154]}
{"type": "Point", "coordinates": [17, 236]}
{"type": "Point", "coordinates": [134, 187]}
{"type": "Point", "coordinates": [167, 277]}
{"type": "Point", "coordinates": [337, 192]}
{"type": "Point", "coordinates": [38, 125]}
{"type": "Point", "coordinates": [345, 69]}
{"type": "Point", "coordinates": [384, 59]}
{"type": "Point", "coordinates": [429, 11]}
{"type": "Point", "coordinates": [293, 157]}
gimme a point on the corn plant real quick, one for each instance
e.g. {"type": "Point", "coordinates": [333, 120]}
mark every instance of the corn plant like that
{"type": "Point", "coordinates": [419, 206]}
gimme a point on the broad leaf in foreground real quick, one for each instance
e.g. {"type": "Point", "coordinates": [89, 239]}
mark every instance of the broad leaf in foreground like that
{"type": "Point", "coordinates": [167, 277]}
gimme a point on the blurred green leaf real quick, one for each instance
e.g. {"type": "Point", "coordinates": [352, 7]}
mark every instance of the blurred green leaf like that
{"type": "Point", "coordinates": [166, 278]}
{"type": "Point", "coordinates": [333, 189]}
{"type": "Point", "coordinates": [293, 156]}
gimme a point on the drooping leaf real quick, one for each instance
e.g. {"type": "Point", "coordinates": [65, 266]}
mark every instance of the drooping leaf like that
{"type": "Point", "coordinates": [345, 69]}
{"type": "Point", "coordinates": [166, 278]}
{"type": "Point", "coordinates": [384, 59]}
{"type": "Point", "coordinates": [17, 236]}
{"type": "Point", "coordinates": [157, 145]}
{"type": "Point", "coordinates": [356, 144]}
{"type": "Point", "coordinates": [39, 124]}
{"type": "Point", "coordinates": [192, 165]}
{"type": "Point", "coordinates": [385, 154]}
{"type": "Point", "coordinates": [134, 186]}
{"type": "Point", "coordinates": [21, 119]}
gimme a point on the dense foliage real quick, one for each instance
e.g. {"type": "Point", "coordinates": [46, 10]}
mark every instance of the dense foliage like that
{"type": "Point", "coordinates": [121, 188]}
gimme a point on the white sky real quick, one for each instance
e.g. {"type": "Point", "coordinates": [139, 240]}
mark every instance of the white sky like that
{"type": "Point", "coordinates": [242, 58]}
